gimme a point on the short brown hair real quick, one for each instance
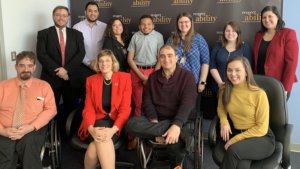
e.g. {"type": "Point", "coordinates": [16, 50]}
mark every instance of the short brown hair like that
{"type": "Point", "coordinates": [60, 7]}
{"type": "Point", "coordinates": [26, 54]}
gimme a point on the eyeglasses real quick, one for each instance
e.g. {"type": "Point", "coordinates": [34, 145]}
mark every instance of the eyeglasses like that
{"type": "Point", "coordinates": [61, 15]}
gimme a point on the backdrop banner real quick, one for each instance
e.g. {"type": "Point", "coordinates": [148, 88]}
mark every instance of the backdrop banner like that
{"type": "Point", "coordinates": [209, 17]}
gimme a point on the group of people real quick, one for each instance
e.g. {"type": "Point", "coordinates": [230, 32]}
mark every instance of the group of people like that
{"type": "Point", "coordinates": [99, 65]}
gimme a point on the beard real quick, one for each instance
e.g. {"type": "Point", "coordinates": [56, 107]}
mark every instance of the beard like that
{"type": "Point", "coordinates": [25, 75]}
{"type": "Point", "coordinates": [91, 20]}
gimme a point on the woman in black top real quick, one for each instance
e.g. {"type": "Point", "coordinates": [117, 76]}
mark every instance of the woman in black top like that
{"type": "Point", "coordinates": [116, 41]}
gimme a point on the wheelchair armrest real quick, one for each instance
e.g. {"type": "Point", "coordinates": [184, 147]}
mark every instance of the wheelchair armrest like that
{"type": "Point", "coordinates": [286, 142]}
{"type": "Point", "coordinates": [212, 132]}
{"type": "Point", "coordinates": [70, 121]}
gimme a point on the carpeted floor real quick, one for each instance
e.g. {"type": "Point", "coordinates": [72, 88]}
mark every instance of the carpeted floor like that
{"type": "Point", "coordinates": [73, 159]}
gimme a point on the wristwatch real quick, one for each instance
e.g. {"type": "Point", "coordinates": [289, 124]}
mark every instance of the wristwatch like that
{"type": "Point", "coordinates": [203, 83]}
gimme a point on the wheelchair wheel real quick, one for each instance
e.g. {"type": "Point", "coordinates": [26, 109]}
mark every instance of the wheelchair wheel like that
{"type": "Point", "coordinates": [198, 144]}
{"type": "Point", "coordinates": [144, 153]}
{"type": "Point", "coordinates": [55, 150]}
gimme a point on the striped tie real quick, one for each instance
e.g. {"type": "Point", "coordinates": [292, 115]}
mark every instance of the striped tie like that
{"type": "Point", "coordinates": [18, 116]}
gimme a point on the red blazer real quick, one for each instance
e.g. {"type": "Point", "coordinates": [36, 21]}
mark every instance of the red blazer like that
{"type": "Point", "coordinates": [281, 57]}
{"type": "Point", "coordinates": [120, 101]}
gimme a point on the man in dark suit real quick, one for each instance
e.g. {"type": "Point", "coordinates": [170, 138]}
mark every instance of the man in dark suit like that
{"type": "Point", "coordinates": [60, 50]}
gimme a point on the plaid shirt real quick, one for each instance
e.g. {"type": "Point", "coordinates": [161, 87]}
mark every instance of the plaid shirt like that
{"type": "Point", "coordinates": [198, 55]}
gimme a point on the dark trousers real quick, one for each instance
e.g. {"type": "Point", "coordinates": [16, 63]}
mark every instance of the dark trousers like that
{"type": "Point", "coordinates": [240, 154]}
{"type": "Point", "coordinates": [27, 150]}
{"type": "Point", "coordinates": [141, 127]}
{"type": "Point", "coordinates": [69, 100]}
{"type": "Point", "coordinates": [85, 72]}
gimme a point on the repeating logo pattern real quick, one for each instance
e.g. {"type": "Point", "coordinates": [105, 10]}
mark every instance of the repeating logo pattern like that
{"type": "Point", "coordinates": [209, 16]}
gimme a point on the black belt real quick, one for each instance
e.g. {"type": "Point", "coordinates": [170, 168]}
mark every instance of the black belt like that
{"type": "Point", "coordinates": [146, 67]}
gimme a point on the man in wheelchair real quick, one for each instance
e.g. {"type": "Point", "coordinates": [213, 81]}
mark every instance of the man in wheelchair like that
{"type": "Point", "coordinates": [27, 105]}
{"type": "Point", "coordinates": [168, 104]}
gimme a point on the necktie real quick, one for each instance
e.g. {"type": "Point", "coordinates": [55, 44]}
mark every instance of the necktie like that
{"type": "Point", "coordinates": [18, 116]}
{"type": "Point", "coordinates": [62, 46]}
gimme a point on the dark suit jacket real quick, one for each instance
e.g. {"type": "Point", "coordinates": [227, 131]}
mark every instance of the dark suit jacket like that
{"type": "Point", "coordinates": [120, 101]}
{"type": "Point", "coordinates": [117, 49]}
{"type": "Point", "coordinates": [281, 57]}
{"type": "Point", "coordinates": [49, 54]}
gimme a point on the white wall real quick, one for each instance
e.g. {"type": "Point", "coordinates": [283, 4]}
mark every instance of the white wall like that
{"type": "Point", "coordinates": [20, 22]}
{"type": "Point", "coordinates": [292, 21]}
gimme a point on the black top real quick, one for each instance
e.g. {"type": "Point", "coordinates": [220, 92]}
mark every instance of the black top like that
{"type": "Point", "coordinates": [262, 52]}
{"type": "Point", "coordinates": [119, 50]}
{"type": "Point", "coordinates": [106, 95]}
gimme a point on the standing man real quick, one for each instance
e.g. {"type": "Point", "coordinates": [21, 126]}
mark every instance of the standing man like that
{"type": "Point", "coordinates": [60, 50]}
{"type": "Point", "coordinates": [26, 106]}
{"type": "Point", "coordinates": [93, 32]}
{"type": "Point", "coordinates": [142, 58]}
{"type": "Point", "coordinates": [168, 103]}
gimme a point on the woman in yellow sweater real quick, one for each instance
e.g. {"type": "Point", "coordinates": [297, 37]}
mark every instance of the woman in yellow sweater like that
{"type": "Point", "coordinates": [243, 110]}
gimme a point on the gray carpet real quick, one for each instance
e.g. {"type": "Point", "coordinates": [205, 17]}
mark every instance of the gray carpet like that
{"type": "Point", "coordinates": [73, 159]}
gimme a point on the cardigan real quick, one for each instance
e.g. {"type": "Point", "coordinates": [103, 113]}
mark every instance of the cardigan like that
{"type": "Point", "coordinates": [281, 57]}
{"type": "Point", "coordinates": [120, 101]}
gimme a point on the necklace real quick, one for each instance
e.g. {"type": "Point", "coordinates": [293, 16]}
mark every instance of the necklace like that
{"type": "Point", "coordinates": [107, 82]}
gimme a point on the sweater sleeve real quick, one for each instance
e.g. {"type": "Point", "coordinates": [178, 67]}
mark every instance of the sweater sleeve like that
{"type": "Point", "coordinates": [222, 113]}
{"type": "Point", "coordinates": [187, 100]}
{"type": "Point", "coordinates": [262, 120]}
{"type": "Point", "coordinates": [148, 107]}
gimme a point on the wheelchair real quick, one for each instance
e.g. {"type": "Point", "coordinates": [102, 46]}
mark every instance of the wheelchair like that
{"type": "Point", "coordinates": [51, 150]}
{"type": "Point", "coordinates": [72, 125]}
{"type": "Point", "coordinates": [278, 123]}
{"type": "Point", "coordinates": [148, 150]}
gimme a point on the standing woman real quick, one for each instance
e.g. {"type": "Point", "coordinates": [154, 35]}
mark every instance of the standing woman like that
{"type": "Point", "coordinates": [243, 110]}
{"type": "Point", "coordinates": [116, 40]}
{"type": "Point", "coordinates": [276, 49]}
{"type": "Point", "coordinates": [230, 45]}
{"type": "Point", "coordinates": [192, 51]}
{"type": "Point", "coordinates": [106, 110]}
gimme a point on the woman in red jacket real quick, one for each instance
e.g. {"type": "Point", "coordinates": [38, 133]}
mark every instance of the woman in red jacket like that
{"type": "Point", "coordinates": [276, 49]}
{"type": "Point", "coordinates": [106, 110]}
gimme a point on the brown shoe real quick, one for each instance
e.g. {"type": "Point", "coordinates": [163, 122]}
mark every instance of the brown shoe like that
{"type": "Point", "coordinates": [132, 144]}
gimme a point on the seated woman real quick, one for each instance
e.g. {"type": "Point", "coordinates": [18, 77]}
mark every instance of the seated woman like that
{"type": "Point", "coordinates": [246, 105]}
{"type": "Point", "coordinates": [106, 110]}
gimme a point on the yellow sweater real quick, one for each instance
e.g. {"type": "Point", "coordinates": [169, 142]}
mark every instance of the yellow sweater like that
{"type": "Point", "coordinates": [248, 109]}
